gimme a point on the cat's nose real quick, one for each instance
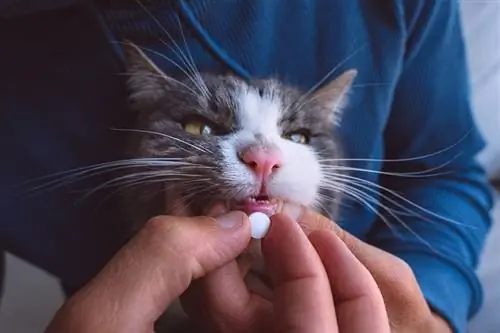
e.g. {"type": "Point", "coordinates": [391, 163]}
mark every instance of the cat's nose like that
{"type": "Point", "coordinates": [263, 162]}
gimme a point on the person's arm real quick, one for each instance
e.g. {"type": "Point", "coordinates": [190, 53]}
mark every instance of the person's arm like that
{"type": "Point", "coordinates": [12, 8]}
{"type": "Point", "coordinates": [431, 112]}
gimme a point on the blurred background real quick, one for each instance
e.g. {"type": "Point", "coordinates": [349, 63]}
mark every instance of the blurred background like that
{"type": "Point", "coordinates": [31, 296]}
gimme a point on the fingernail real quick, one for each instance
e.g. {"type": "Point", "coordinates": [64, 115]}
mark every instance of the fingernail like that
{"type": "Point", "coordinates": [231, 220]}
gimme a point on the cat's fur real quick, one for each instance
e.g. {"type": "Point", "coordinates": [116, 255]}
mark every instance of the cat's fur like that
{"type": "Point", "coordinates": [207, 168]}
{"type": "Point", "coordinates": [243, 113]}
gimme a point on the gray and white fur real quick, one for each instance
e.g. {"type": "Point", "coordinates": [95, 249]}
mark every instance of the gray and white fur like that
{"type": "Point", "coordinates": [199, 124]}
{"type": "Point", "coordinates": [234, 114]}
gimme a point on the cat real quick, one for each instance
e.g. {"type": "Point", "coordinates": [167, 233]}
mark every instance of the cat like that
{"type": "Point", "coordinates": [216, 138]}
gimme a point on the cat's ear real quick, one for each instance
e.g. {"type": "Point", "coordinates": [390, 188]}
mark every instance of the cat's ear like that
{"type": "Point", "coordinates": [333, 96]}
{"type": "Point", "coordinates": [146, 82]}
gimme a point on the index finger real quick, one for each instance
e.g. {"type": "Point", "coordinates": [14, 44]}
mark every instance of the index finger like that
{"type": "Point", "coordinates": [394, 278]}
{"type": "Point", "coordinates": [358, 301]}
{"type": "Point", "coordinates": [302, 296]}
{"type": "Point", "coordinates": [376, 260]}
{"type": "Point", "coordinates": [309, 219]}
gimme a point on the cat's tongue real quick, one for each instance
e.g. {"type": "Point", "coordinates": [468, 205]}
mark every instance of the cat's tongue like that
{"type": "Point", "coordinates": [257, 204]}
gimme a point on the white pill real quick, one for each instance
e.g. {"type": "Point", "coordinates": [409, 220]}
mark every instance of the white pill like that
{"type": "Point", "coordinates": [259, 224]}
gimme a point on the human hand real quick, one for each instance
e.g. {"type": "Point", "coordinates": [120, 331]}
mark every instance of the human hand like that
{"type": "Point", "coordinates": [152, 270]}
{"type": "Point", "coordinates": [317, 283]}
{"type": "Point", "coordinates": [406, 306]}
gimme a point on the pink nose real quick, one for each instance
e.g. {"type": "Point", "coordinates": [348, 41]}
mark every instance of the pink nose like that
{"type": "Point", "coordinates": [263, 162]}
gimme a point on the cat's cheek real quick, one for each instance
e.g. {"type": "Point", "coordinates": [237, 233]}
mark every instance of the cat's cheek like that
{"type": "Point", "coordinates": [300, 176]}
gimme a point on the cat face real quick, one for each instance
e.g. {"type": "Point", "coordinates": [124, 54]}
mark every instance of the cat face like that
{"type": "Point", "coordinates": [240, 143]}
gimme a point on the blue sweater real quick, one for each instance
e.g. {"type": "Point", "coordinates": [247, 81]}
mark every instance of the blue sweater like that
{"type": "Point", "coordinates": [410, 103]}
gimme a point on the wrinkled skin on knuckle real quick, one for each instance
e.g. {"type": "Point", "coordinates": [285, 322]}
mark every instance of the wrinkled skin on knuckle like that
{"type": "Point", "coordinates": [172, 231]}
{"type": "Point", "coordinates": [188, 244]}
{"type": "Point", "coordinates": [405, 281]}
{"type": "Point", "coordinates": [180, 245]}
{"type": "Point", "coordinates": [313, 221]}
{"type": "Point", "coordinates": [407, 307]}
{"type": "Point", "coordinates": [169, 238]}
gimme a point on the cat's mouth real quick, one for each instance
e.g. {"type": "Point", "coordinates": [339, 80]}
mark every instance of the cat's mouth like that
{"type": "Point", "coordinates": [258, 203]}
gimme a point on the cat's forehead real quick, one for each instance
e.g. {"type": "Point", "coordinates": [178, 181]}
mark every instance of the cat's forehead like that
{"type": "Point", "coordinates": [254, 103]}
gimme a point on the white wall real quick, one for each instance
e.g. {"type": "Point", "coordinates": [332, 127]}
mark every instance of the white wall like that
{"type": "Point", "coordinates": [481, 22]}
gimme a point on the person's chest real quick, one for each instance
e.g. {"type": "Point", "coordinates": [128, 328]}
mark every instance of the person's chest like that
{"type": "Point", "coordinates": [299, 42]}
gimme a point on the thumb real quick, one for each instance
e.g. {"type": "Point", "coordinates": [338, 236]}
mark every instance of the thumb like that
{"type": "Point", "coordinates": [159, 263]}
{"type": "Point", "coordinates": [189, 248]}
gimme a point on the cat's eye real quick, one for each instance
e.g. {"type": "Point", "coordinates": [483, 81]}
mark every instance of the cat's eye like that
{"type": "Point", "coordinates": [298, 137]}
{"type": "Point", "coordinates": [197, 127]}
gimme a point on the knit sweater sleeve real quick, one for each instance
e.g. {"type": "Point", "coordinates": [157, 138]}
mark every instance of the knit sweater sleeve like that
{"type": "Point", "coordinates": [442, 231]}
{"type": "Point", "coordinates": [13, 8]}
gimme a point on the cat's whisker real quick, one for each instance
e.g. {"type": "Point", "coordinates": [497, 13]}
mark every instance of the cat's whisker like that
{"type": "Point", "coordinates": [177, 82]}
{"type": "Point", "coordinates": [50, 182]}
{"type": "Point", "coordinates": [304, 97]}
{"type": "Point", "coordinates": [177, 51]}
{"type": "Point", "coordinates": [142, 176]}
{"type": "Point", "coordinates": [411, 175]}
{"type": "Point", "coordinates": [350, 190]}
{"type": "Point", "coordinates": [155, 180]}
{"type": "Point", "coordinates": [112, 167]}
{"type": "Point", "coordinates": [179, 67]}
{"type": "Point", "coordinates": [416, 174]}
{"type": "Point", "coordinates": [181, 168]}
{"type": "Point", "coordinates": [140, 182]}
{"type": "Point", "coordinates": [350, 184]}
{"type": "Point", "coordinates": [193, 63]}
{"type": "Point", "coordinates": [403, 160]}
{"type": "Point", "coordinates": [201, 149]}
{"type": "Point", "coordinates": [369, 202]}
{"type": "Point", "coordinates": [201, 190]}
{"type": "Point", "coordinates": [320, 206]}
{"type": "Point", "coordinates": [393, 214]}
{"type": "Point", "coordinates": [332, 199]}
{"type": "Point", "coordinates": [315, 97]}
{"type": "Point", "coordinates": [152, 51]}
{"type": "Point", "coordinates": [365, 85]}
{"type": "Point", "coordinates": [153, 161]}
{"type": "Point", "coordinates": [377, 160]}
{"type": "Point", "coordinates": [233, 192]}
{"type": "Point", "coordinates": [160, 176]}
{"type": "Point", "coordinates": [193, 75]}
{"type": "Point", "coordinates": [355, 180]}
{"type": "Point", "coordinates": [319, 95]}
{"type": "Point", "coordinates": [350, 181]}
{"type": "Point", "coordinates": [175, 64]}
{"type": "Point", "coordinates": [187, 199]}
{"type": "Point", "coordinates": [152, 177]}
{"type": "Point", "coordinates": [301, 104]}
{"type": "Point", "coordinates": [176, 205]}
{"type": "Point", "coordinates": [407, 211]}
{"type": "Point", "coordinates": [171, 176]}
